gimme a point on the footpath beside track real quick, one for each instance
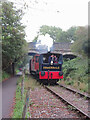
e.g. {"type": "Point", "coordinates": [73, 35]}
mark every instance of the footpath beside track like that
{"type": "Point", "coordinates": [8, 93]}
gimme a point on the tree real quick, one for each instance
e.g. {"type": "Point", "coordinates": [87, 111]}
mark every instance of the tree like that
{"type": "Point", "coordinates": [57, 34]}
{"type": "Point", "coordinates": [71, 32]}
{"type": "Point", "coordinates": [81, 43]}
{"type": "Point", "coordinates": [13, 42]}
{"type": "Point", "coordinates": [36, 38]}
{"type": "Point", "coordinates": [54, 32]}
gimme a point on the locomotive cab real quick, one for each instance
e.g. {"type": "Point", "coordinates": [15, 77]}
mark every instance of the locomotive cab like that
{"type": "Point", "coordinates": [51, 67]}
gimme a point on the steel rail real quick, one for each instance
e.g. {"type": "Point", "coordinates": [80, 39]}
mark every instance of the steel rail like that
{"type": "Point", "coordinates": [74, 91]}
{"type": "Point", "coordinates": [57, 95]}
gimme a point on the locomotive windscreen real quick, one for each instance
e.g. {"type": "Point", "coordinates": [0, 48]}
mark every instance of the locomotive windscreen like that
{"type": "Point", "coordinates": [46, 57]}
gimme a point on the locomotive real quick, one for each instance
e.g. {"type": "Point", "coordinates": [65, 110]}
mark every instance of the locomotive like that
{"type": "Point", "coordinates": [46, 68]}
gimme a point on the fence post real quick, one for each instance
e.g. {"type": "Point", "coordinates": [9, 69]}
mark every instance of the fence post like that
{"type": "Point", "coordinates": [22, 85]}
{"type": "Point", "coordinates": [24, 71]}
{"type": "Point", "coordinates": [26, 103]}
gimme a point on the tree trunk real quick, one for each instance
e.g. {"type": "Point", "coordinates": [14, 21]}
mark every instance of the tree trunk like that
{"type": "Point", "coordinates": [13, 68]}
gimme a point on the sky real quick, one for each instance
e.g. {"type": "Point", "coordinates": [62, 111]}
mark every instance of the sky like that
{"type": "Point", "coordinates": [59, 13]}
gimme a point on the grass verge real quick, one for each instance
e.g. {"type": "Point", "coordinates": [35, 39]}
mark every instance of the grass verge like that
{"type": "Point", "coordinates": [5, 75]}
{"type": "Point", "coordinates": [18, 108]}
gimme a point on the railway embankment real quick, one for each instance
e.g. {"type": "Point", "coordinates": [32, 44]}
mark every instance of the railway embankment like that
{"type": "Point", "coordinates": [42, 103]}
{"type": "Point", "coordinates": [76, 74]}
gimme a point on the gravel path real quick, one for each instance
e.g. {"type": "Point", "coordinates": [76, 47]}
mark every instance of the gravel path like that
{"type": "Point", "coordinates": [78, 101]}
{"type": "Point", "coordinates": [46, 105]}
{"type": "Point", "coordinates": [8, 92]}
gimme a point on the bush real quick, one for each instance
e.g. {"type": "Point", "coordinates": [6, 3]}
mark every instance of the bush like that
{"type": "Point", "coordinates": [5, 75]}
{"type": "Point", "coordinates": [76, 71]}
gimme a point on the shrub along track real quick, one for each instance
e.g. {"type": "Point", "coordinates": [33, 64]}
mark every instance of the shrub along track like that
{"type": "Point", "coordinates": [72, 97]}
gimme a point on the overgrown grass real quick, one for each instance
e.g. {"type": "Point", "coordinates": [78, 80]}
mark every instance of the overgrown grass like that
{"type": "Point", "coordinates": [19, 104]}
{"type": "Point", "coordinates": [5, 75]}
{"type": "Point", "coordinates": [28, 82]}
{"type": "Point", "coordinates": [18, 108]}
{"type": "Point", "coordinates": [32, 83]}
{"type": "Point", "coordinates": [76, 73]}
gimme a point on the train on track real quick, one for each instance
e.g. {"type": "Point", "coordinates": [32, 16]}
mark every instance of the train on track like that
{"type": "Point", "coordinates": [47, 67]}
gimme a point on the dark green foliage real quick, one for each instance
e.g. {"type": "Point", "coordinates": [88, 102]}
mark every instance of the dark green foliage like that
{"type": "Point", "coordinates": [54, 32]}
{"type": "Point", "coordinates": [57, 34]}
{"type": "Point", "coordinates": [76, 71]}
{"type": "Point", "coordinates": [4, 75]}
{"type": "Point", "coordinates": [71, 33]}
{"type": "Point", "coordinates": [86, 47]}
{"type": "Point", "coordinates": [23, 62]}
{"type": "Point", "coordinates": [13, 42]}
{"type": "Point", "coordinates": [68, 67]}
{"type": "Point", "coordinates": [81, 44]}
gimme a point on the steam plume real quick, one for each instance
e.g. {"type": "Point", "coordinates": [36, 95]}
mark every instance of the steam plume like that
{"type": "Point", "coordinates": [44, 43]}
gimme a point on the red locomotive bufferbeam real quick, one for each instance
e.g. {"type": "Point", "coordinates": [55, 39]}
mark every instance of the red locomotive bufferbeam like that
{"type": "Point", "coordinates": [47, 66]}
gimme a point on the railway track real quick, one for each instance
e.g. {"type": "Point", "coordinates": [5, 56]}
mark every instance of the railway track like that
{"type": "Point", "coordinates": [67, 101]}
{"type": "Point", "coordinates": [75, 91]}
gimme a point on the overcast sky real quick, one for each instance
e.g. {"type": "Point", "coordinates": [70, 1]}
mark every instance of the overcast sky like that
{"type": "Point", "coordinates": [59, 13]}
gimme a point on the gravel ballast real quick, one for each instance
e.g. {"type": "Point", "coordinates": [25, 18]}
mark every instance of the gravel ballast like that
{"type": "Point", "coordinates": [73, 98]}
{"type": "Point", "coordinates": [43, 104]}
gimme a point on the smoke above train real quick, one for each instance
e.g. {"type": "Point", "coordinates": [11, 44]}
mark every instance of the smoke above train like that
{"type": "Point", "coordinates": [44, 43]}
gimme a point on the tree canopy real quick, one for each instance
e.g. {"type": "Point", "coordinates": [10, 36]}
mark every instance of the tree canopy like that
{"type": "Point", "coordinates": [79, 36]}
{"type": "Point", "coordinates": [54, 32]}
{"type": "Point", "coordinates": [57, 34]}
{"type": "Point", "coordinates": [81, 45]}
{"type": "Point", "coordinates": [13, 35]}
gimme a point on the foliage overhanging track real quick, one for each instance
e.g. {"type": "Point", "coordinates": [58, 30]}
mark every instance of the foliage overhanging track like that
{"type": "Point", "coordinates": [66, 101]}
